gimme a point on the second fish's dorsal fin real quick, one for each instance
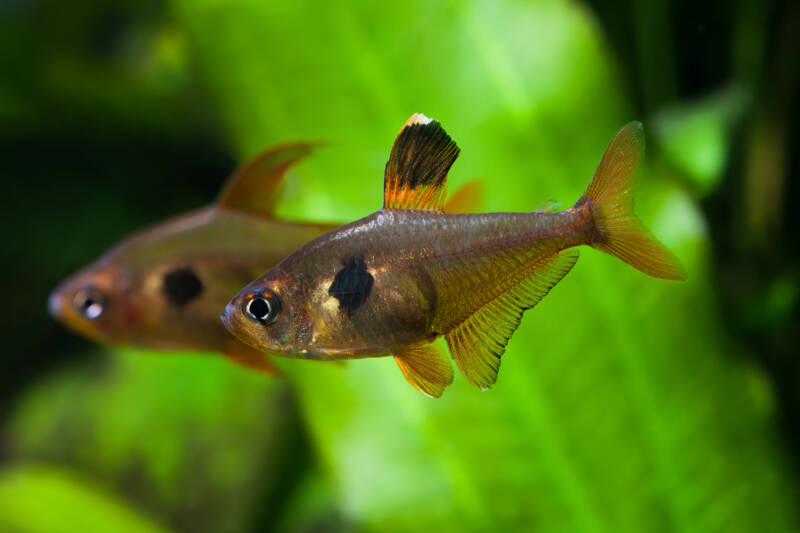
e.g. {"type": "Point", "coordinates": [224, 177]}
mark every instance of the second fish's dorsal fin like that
{"type": "Point", "coordinates": [256, 185]}
{"type": "Point", "coordinates": [416, 173]}
{"type": "Point", "coordinates": [478, 343]}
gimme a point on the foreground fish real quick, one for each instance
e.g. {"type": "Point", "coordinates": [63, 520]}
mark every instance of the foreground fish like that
{"type": "Point", "coordinates": [391, 283]}
{"type": "Point", "coordinates": [162, 288]}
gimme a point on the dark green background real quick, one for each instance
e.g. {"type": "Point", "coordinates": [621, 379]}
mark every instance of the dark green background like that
{"type": "Point", "coordinates": [624, 403]}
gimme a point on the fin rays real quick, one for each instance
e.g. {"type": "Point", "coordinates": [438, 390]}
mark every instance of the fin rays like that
{"type": "Point", "coordinates": [610, 198]}
{"type": "Point", "coordinates": [479, 342]}
{"type": "Point", "coordinates": [416, 172]}
{"type": "Point", "coordinates": [426, 369]}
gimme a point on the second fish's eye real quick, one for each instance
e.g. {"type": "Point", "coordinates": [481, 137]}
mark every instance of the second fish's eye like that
{"type": "Point", "coordinates": [262, 307]}
{"type": "Point", "coordinates": [90, 303]}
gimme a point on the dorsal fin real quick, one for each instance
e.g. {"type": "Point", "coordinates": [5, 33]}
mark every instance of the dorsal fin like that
{"type": "Point", "coordinates": [416, 173]}
{"type": "Point", "coordinates": [466, 199]}
{"type": "Point", "coordinates": [255, 186]}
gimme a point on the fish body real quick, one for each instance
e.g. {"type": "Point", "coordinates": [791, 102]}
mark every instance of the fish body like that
{"type": "Point", "coordinates": [391, 283]}
{"type": "Point", "coordinates": [162, 288]}
{"type": "Point", "coordinates": [413, 275]}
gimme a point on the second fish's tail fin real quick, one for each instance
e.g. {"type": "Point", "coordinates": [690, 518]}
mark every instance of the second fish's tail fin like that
{"type": "Point", "coordinates": [609, 197]}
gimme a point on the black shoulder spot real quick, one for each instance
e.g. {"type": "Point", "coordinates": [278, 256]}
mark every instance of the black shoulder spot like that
{"type": "Point", "coordinates": [181, 286]}
{"type": "Point", "coordinates": [352, 285]}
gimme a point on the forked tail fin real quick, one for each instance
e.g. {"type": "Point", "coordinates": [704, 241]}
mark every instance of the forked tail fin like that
{"type": "Point", "coordinates": [610, 198]}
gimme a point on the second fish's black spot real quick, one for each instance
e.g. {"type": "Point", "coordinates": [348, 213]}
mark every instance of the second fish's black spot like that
{"type": "Point", "coordinates": [181, 286]}
{"type": "Point", "coordinates": [352, 285]}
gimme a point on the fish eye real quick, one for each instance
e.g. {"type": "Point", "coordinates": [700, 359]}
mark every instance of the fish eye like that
{"type": "Point", "coordinates": [89, 302]}
{"type": "Point", "coordinates": [263, 307]}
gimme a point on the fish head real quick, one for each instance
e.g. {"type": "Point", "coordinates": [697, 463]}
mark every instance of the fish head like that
{"type": "Point", "coordinates": [93, 303]}
{"type": "Point", "coordinates": [270, 314]}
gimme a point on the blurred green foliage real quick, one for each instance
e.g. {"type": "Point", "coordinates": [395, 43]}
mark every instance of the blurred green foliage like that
{"type": "Point", "coordinates": [695, 136]}
{"type": "Point", "coordinates": [40, 499]}
{"type": "Point", "coordinates": [624, 403]}
{"type": "Point", "coordinates": [189, 437]}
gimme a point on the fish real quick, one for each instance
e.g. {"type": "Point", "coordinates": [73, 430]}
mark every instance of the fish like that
{"type": "Point", "coordinates": [392, 283]}
{"type": "Point", "coordinates": [162, 288]}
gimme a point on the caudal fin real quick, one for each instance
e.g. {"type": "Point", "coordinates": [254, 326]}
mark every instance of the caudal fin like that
{"type": "Point", "coordinates": [610, 198]}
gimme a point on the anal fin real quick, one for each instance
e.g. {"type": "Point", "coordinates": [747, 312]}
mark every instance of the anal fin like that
{"type": "Point", "coordinates": [478, 343]}
{"type": "Point", "coordinates": [248, 357]}
{"type": "Point", "coordinates": [426, 369]}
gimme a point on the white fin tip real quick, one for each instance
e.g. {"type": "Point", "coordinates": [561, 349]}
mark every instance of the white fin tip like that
{"type": "Point", "coordinates": [418, 118]}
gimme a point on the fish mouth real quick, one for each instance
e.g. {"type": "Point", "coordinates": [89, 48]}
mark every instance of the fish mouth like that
{"type": "Point", "coordinates": [226, 319]}
{"type": "Point", "coordinates": [230, 321]}
{"type": "Point", "coordinates": [55, 305]}
{"type": "Point", "coordinates": [59, 306]}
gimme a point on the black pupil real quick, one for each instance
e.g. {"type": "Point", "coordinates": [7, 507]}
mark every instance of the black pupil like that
{"type": "Point", "coordinates": [259, 308]}
{"type": "Point", "coordinates": [90, 303]}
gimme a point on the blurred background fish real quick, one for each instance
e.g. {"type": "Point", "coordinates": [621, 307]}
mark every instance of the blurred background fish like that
{"type": "Point", "coordinates": [648, 406]}
{"type": "Point", "coordinates": [163, 288]}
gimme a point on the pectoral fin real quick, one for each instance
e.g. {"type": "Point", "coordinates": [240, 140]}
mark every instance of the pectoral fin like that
{"type": "Point", "coordinates": [251, 358]}
{"type": "Point", "coordinates": [426, 369]}
{"type": "Point", "coordinates": [256, 185]}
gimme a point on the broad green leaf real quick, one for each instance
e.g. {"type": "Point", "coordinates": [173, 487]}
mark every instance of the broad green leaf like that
{"type": "Point", "coordinates": [40, 499]}
{"type": "Point", "coordinates": [620, 404]}
{"type": "Point", "coordinates": [199, 442]}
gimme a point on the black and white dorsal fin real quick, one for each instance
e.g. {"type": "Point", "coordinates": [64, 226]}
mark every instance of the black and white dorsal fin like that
{"type": "Point", "coordinates": [416, 173]}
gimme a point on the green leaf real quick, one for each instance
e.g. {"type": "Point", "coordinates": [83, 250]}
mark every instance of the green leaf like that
{"type": "Point", "coordinates": [200, 442]}
{"type": "Point", "coordinates": [621, 405]}
{"type": "Point", "coordinates": [40, 499]}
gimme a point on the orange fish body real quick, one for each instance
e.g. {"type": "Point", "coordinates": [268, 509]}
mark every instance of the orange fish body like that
{"type": "Point", "coordinates": [163, 287]}
{"type": "Point", "coordinates": [391, 283]}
